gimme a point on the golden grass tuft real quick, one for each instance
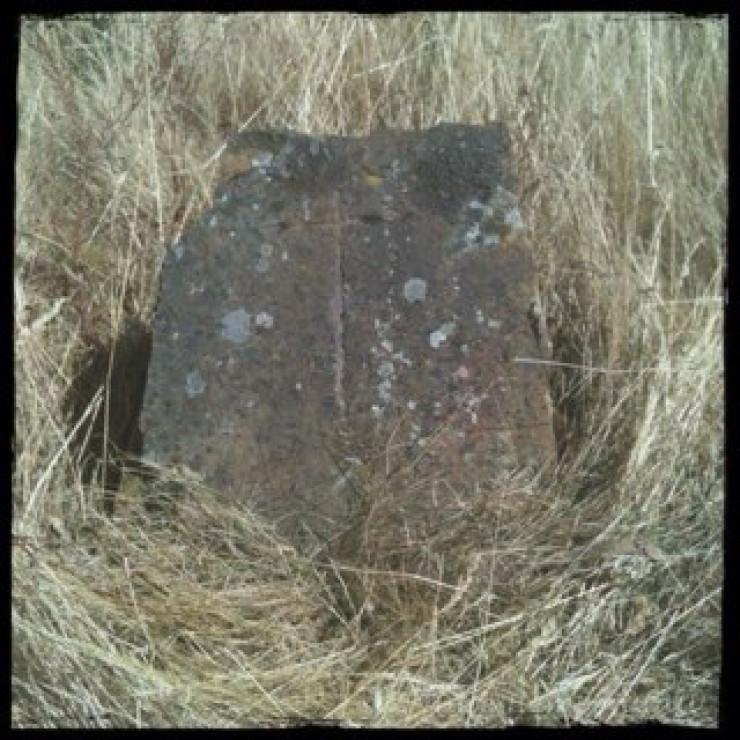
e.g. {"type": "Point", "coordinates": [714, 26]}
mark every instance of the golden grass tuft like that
{"type": "Point", "coordinates": [587, 593]}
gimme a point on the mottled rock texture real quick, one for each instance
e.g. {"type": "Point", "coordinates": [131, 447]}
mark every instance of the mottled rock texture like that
{"type": "Point", "coordinates": [343, 291]}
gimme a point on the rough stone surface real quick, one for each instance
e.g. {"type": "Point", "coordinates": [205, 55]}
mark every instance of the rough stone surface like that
{"type": "Point", "coordinates": [341, 289]}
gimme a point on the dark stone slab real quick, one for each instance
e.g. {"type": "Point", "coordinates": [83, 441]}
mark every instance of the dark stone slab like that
{"type": "Point", "coordinates": [339, 290]}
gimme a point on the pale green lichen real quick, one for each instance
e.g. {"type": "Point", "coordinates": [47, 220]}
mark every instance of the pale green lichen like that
{"type": "Point", "coordinates": [236, 326]}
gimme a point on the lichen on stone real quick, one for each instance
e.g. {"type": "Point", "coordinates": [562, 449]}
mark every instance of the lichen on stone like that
{"type": "Point", "coordinates": [236, 325]}
{"type": "Point", "coordinates": [415, 289]}
{"type": "Point", "coordinates": [194, 384]}
{"type": "Point", "coordinates": [264, 320]}
{"type": "Point", "coordinates": [437, 337]}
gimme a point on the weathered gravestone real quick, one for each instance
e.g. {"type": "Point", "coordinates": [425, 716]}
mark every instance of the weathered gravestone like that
{"type": "Point", "coordinates": [345, 287]}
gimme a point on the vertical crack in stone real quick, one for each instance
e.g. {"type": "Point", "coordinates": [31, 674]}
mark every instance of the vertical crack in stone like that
{"type": "Point", "coordinates": [337, 312]}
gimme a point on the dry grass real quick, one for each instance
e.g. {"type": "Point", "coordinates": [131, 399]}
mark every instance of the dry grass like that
{"type": "Point", "coordinates": [589, 594]}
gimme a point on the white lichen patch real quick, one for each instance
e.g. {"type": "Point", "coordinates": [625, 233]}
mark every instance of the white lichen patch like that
{"type": "Point", "coordinates": [472, 406]}
{"type": "Point", "coordinates": [387, 374]}
{"type": "Point", "coordinates": [262, 161]}
{"type": "Point", "coordinates": [415, 289]}
{"type": "Point", "coordinates": [194, 384]}
{"type": "Point", "coordinates": [401, 357]}
{"type": "Point", "coordinates": [513, 218]}
{"type": "Point", "coordinates": [264, 320]}
{"type": "Point", "coordinates": [236, 325]}
{"type": "Point", "coordinates": [386, 370]}
{"type": "Point", "coordinates": [485, 208]}
{"type": "Point", "coordinates": [263, 263]}
{"type": "Point", "coordinates": [414, 434]}
{"type": "Point", "coordinates": [437, 337]}
{"type": "Point", "coordinates": [384, 390]}
{"type": "Point", "coordinates": [472, 234]}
